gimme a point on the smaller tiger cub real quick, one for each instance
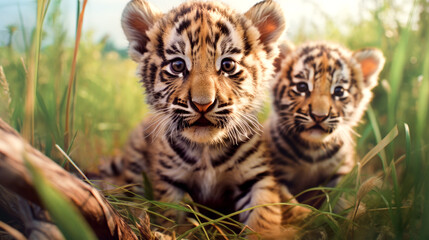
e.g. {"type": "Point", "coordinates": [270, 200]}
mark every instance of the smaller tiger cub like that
{"type": "Point", "coordinates": [320, 93]}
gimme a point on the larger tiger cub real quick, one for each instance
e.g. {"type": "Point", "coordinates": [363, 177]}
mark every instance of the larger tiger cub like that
{"type": "Point", "coordinates": [320, 93]}
{"type": "Point", "coordinates": [205, 70]}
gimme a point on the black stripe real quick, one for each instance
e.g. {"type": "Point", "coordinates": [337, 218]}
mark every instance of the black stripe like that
{"type": "Point", "coordinates": [282, 92]}
{"type": "Point", "coordinates": [224, 112]}
{"type": "Point", "coordinates": [289, 72]}
{"type": "Point", "coordinates": [144, 71]}
{"type": "Point", "coordinates": [227, 155]}
{"type": "Point", "coordinates": [172, 50]}
{"type": "Point", "coordinates": [338, 64]}
{"type": "Point", "coordinates": [181, 152]}
{"type": "Point", "coordinates": [223, 28]}
{"type": "Point", "coordinates": [247, 185]}
{"type": "Point", "coordinates": [198, 15]}
{"type": "Point", "coordinates": [305, 51]}
{"type": "Point", "coordinates": [179, 102]}
{"type": "Point", "coordinates": [178, 184]}
{"type": "Point", "coordinates": [240, 207]}
{"type": "Point", "coordinates": [160, 46]}
{"type": "Point", "coordinates": [161, 192]}
{"type": "Point", "coordinates": [115, 170]}
{"type": "Point", "coordinates": [176, 49]}
{"type": "Point", "coordinates": [280, 148]}
{"type": "Point", "coordinates": [299, 154]}
{"type": "Point", "coordinates": [181, 12]}
{"type": "Point", "coordinates": [259, 165]}
{"type": "Point", "coordinates": [180, 111]}
{"type": "Point", "coordinates": [164, 164]}
{"type": "Point", "coordinates": [329, 153]}
{"type": "Point", "coordinates": [183, 26]}
{"type": "Point", "coordinates": [221, 105]}
{"type": "Point", "coordinates": [249, 152]}
{"type": "Point", "coordinates": [285, 182]}
{"type": "Point", "coordinates": [247, 46]}
{"type": "Point", "coordinates": [233, 50]}
{"type": "Point", "coordinates": [135, 167]}
{"type": "Point", "coordinates": [308, 59]}
{"type": "Point", "coordinates": [216, 40]}
{"type": "Point", "coordinates": [237, 76]}
{"type": "Point", "coordinates": [152, 72]}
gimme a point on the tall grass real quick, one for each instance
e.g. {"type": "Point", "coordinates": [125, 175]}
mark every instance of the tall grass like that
{"type": "Point", "coordinates": [86, 99]}
{"type": "Point", "coordinates": [32, 73]}
{"type": "Point", "coordinates": [108, 102]}
{"type": "Point", "coordinates": [68, 128]}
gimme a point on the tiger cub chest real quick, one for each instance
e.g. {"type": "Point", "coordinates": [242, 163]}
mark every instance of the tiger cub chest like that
{"type": "Point", "coordinates": [210, 175]}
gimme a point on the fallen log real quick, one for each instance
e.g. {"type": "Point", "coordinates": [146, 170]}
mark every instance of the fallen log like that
{"type": "Point", "coordinates": [104, 220]}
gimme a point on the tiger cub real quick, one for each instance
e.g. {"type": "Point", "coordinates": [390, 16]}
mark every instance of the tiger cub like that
{"type": "Point", "coordinates": [320, 93]}
{"type": "Point", "coordinates": [205, 69]}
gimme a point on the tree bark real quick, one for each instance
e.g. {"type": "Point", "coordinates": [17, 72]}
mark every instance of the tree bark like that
{"type": "Point", "coordinates": [14, 176]}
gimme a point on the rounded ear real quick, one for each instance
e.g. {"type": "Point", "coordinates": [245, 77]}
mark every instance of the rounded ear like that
{"type": "Point", "coordinates": [137, 17]}
{"type": "Point", "coordinates": [268, 18]}
{"type": "Point", "coordinates": [286, 48]}
{"type": "Point", "coordinates": [371, 62]}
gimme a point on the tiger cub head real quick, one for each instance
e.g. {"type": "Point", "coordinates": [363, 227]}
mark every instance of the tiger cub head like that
{"type": "Point", "coordinates": [204, 67]}
{"type": "Point", "coordinates": [322, 90]}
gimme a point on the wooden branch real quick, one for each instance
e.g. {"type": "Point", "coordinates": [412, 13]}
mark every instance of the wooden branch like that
{"type": "Point", "coordinates": [14, 176]}
{"type": "Point", "coordinates": [34, 221]}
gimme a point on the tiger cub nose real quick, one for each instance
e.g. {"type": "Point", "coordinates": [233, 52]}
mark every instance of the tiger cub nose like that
{"type": "Point", "coordinates": [318, 118]}
{"type": "Point", "coordinates": [202, 107]}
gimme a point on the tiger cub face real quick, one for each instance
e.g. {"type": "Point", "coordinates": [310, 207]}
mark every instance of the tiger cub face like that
{"type": "Point", "coordinates": [323, 89]}
{"type": "Point", "coordinates": [203, 65]}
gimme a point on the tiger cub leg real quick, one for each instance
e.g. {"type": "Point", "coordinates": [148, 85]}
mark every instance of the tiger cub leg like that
{"type": "Point", "coordinates": [165, 192]}
{"type": "Point", "coordinates": [292, 214]}
{"type": "Point", "coordinates": [260, 192]}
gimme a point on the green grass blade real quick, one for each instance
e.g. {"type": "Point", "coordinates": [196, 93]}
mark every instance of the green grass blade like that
{"type": "Point", "coordinates": [148, 188]}
{"type": "Point", "coordinates": [199, 221]}
{"type": "Point", "coordinates": [407, 145]}
{"type": "Point", "coordinates": [65, 215]}
{"type": "Point", "coordinates": [423, 98]}
{"type": "Point", "coordinates": [380, 146]}
{"type": "Point", "coordinates": [397, 68]}
{"type": "Point", "coordinates": [72, 78]}
{"type": "Point", "coordinates": [377, 134]}
{"type": "Point", "coordinates": [397, 218]}
{"type": "Point", "coordinates": [21, 23]}
{"type": "Point", "coordinates": [73, 164]}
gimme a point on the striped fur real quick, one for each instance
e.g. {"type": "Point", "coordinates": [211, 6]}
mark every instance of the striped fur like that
{"type": "Point", "coordinates": [204, 68]}
{"type": "Point", "coordinates": [320, 93]}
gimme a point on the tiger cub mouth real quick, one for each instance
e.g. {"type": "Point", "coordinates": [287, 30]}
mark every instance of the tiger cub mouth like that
{"type": "Point", "coordinates": [317, 127]}
{"type": "Point", "coordinates": [202, 122]}
{"type": "Point", "coordinates": [315, 133]}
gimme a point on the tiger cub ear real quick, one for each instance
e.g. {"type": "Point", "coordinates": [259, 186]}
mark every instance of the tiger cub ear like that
{"type": "Point", "coordinates": [286, 48]}
{"type": "Point", "coordinates": [137, 18]}
{"type": "Point", "coordinates": [371, 62]}
{"type": "Point", "coordinates": [268, 18]}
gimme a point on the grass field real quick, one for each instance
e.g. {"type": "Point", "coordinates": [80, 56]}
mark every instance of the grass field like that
{"type": "Point", "coordinates": [83, 95]}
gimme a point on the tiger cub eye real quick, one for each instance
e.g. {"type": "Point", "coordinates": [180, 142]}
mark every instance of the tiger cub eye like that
{"type": "Point", "coordinates": [338, 91]}
{"type": "Point", "coordinates": [228, 65]}
{"type": "Point", "coordinates": [177, 65]}
{"type": "Point", "coordinates": [302, 87]}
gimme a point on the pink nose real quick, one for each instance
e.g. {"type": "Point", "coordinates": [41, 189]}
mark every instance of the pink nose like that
{"type": "Point", "coordinates": [202, 107]}
{"type": "Point", "coordinates": [318, 118]}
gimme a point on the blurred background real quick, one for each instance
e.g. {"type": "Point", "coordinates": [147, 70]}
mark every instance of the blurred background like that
{"type": "Point", "coordinates": [43, 88]}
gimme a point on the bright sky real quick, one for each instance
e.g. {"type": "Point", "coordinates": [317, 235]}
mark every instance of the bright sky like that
{"type": "Point", "coordinates": [103, 16]}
